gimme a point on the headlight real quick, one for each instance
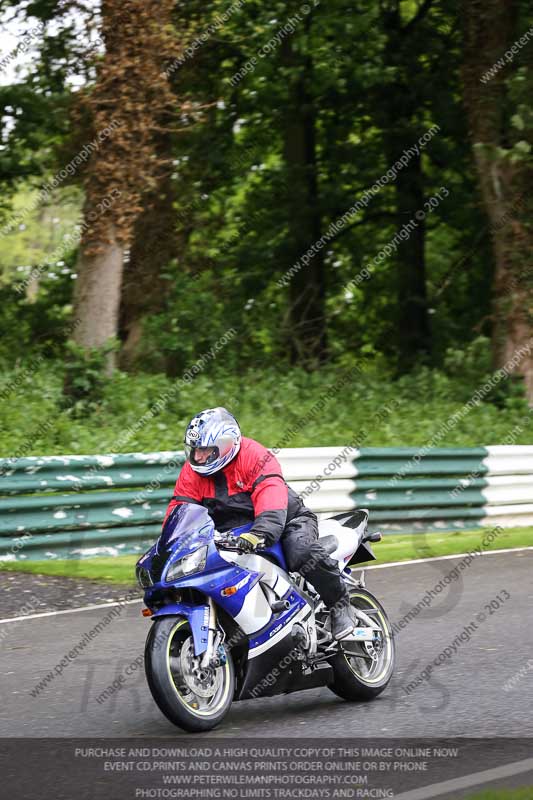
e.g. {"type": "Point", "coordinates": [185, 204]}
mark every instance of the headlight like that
{"type": "Point", "coordinates": [144, 579]}
{"type": "Point", "coordinates": [195, 562]}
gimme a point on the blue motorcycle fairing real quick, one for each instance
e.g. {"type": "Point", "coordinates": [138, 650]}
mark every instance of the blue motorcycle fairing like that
{"type": "Point", "coordinates": [277, 551]}
{"type": "Point", "coordinates": [146, 558]}
{"type": "Point", "coordinates": [190, 527]}
{"type": "Point", "coordinates": [197, 617]}
{"type": "Point", "coordinates": [212, 582]}
{"type": "Point", "coordinates": [213, 562]}
{"type": "Point", "coordinates": [217, 575]}
{"type": "Point", "coordinates": [271, 663]}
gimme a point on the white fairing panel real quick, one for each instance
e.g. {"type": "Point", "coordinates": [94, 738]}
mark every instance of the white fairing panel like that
{"type": "Point", "coordinates": [255, 612]}
{"type": "Point", "coordinates": [273, 575]}
{"type": "Point", "coordinates": [348, 539]}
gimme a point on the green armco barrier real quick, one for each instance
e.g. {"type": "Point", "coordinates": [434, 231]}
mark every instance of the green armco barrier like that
{"type": "Point", "coordinates": [76, 506]}
{"type": "Point", "coordinates": [410, 461]}
{"type": "Point", "coordinates": [403, 491]}
{"type": "Point", "coordinates": [67, 511]}
{"type": "Point", "coordinates": [28, 475]}
{"type": "Point", "coordinates": [83, 544]}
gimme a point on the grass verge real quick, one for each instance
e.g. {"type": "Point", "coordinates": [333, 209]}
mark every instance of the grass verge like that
{"type": "Point", "coordinates": [109, 569]}
{"type": "Point", "coordinates": [402, 547]}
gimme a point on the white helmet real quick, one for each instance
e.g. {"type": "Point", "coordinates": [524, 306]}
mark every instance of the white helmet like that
{"type": "Point", "coordinates": [214, 428]}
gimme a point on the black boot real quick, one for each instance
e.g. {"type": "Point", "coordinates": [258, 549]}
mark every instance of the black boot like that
{"type": "Point", "coordinates": [342, 619]}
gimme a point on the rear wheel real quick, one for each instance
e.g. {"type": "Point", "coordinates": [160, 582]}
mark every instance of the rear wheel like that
{"type": "Point", "coordinates": [191, 696]}
{"type": "Point", "coordinates": [362, 670]}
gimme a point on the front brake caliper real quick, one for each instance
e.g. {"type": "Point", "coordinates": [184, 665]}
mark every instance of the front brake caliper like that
{"type": "Point", "coordinates": [220, 659]}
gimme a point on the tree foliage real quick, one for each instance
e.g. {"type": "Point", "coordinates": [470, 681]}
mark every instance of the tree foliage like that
{"type": "Point", "coordinates": [248, 130]}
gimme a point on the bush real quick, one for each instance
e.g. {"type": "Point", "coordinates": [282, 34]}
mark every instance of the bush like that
{"type": "Point", "coordinates": [290, 410]}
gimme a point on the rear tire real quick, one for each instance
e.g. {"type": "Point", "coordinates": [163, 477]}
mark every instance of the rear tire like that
{"type": "Point", "coordinates": [366, 676]}
{"type": "Point", "coordinates": [192, 698]}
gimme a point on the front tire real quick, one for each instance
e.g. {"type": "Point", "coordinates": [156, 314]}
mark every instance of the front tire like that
{"type": "Point", "coordinates": [362, 670]}
{"type": "Point", "coordinates": [193, 698]}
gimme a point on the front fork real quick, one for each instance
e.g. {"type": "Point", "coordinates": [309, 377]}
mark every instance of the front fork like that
{"type": "Point", "coordinates": [213, 657]}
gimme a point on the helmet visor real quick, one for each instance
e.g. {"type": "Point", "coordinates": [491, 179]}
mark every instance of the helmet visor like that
{"type": "Point", "coordinates": [201, 456]}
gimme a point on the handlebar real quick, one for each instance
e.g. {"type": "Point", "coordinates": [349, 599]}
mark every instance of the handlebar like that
{"type": "Point", "coordinates": [226, 540]}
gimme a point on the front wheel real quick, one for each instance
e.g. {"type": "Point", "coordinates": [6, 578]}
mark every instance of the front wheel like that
{"type": "Point", "coordinates": [192, 697]}
{"type": "Point", "coordinates": [362, 670]}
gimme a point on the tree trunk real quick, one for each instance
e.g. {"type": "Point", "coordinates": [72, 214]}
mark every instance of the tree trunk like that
{"type": "Point", "coordinates": [413, 328]}
{"type": "Point", "coordinates": [97, 296]}
{"type": "Point", "coordinates": [123, 114]}
{"type": "Point", "coordinates": [307, 326]}
{"type": "Point", "coordinates": [154, 245]}
{"type": "Point", "coordinates": [505, 184]}
{"type": "Point", "coordinates": [399, 113]}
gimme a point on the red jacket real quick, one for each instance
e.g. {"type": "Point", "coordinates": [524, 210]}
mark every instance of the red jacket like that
{"type": "Point", "coordinates": [251, 488]}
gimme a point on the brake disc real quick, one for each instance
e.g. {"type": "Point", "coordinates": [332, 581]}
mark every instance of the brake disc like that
{"type": "Point", "coordinates": [202, 681]}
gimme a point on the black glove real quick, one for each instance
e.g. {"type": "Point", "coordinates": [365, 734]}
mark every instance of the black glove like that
{"type": "Point", "coordinates": [249, 542]}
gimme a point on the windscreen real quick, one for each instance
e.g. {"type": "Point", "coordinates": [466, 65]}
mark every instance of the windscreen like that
{"type": "Point", "coordinates": [185, 519]}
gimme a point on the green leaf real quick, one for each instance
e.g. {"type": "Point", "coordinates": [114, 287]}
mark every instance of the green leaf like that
{"type": "Point", "coordinates": [523, 146]}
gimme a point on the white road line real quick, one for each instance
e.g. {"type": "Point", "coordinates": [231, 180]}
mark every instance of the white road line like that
{"type": "Point", "coordinates": [374, 566]}
{"type": "Point", "coordinates": [442, 558]}
{"type": "Point", "coordinates": [475, 779]}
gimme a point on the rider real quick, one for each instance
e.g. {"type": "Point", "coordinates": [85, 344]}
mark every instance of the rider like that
{"type": "Point", "coordinates": [239, 481]}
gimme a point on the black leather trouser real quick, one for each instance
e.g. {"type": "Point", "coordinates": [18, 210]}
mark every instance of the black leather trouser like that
{"type": "Point", "coordinates": [305, 554]}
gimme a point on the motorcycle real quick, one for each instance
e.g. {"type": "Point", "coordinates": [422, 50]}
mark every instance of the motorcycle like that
{"type": "Point", "coordinates": [233, 626]}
